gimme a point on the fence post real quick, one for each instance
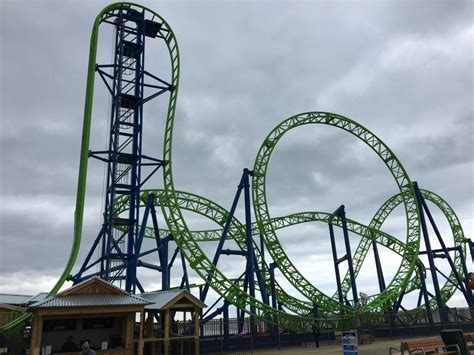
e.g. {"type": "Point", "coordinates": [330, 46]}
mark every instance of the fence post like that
{"type": "Point", "coordinates": [278, 335]}
{"type": "Point", "coordinates": [391, 321]}
{"type": "Point", "coordinates": [304, 332]}
{"type": "Point", "coordinates": [252, 327]}
{"type": "Point", "coordinates": [221, 336]}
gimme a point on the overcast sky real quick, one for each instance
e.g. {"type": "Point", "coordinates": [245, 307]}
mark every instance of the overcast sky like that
{"type": "Point", "coordinates": [403, 69]}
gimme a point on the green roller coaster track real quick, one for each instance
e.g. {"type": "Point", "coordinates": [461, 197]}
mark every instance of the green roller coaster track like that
{"type": "Point", "coordinates": [173, 202]}
{"type": "Point", "coordinates": [410, 253]}
{"type": "Point", "coordinates": [218, 214]}
{"type": "Point", "coordinates": [449, 288]}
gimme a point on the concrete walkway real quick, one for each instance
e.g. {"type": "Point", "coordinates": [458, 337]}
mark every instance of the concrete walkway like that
{"type": "Point", "coordinates": [378, 347]}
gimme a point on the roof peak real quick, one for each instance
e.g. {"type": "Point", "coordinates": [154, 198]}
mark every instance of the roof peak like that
{"type": "Point", "coordinates": [96, 279]}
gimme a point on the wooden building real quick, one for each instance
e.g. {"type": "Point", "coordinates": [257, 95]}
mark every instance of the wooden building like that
{"type": "Point", "coordinates": [115, 322]}
{"type": "Point", "coordinates": [9, 313]}
{"type": "Point", "coordinates": [93, 311]}
{"type": "Point", "coordinates": [12, 306]}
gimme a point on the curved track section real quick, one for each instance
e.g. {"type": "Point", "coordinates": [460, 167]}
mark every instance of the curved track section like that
{"type": "Point", "coordinates": [449, 287]}
{"type": "Point", "coordinates": [216, 213]}
{"type": "Point", "coordinates": [211, 210]}
{"type": "Point", "coordinates": [410, 254]}
{"type": "Point", "coordinates": [201, 205]}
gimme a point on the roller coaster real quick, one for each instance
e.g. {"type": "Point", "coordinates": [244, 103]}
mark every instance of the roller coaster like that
{"type": "Point", "coordinates": [125, 227]}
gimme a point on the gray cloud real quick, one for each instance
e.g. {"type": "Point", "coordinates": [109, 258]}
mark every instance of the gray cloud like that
{"type": "Point", "coordinates": [403, 69]}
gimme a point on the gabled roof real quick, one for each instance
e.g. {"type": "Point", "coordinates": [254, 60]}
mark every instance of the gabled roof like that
{"type": "Point", "coordinates": [167, 299]}
{"type": "Point", "coordinates": [38, 298]}
{"type": "Point", "coordinates": [90, 300]}
{"type": "Point", "coordinates": [93, 285]}
{"type": "Point", "coordinates": [93, 292]}
{"type": "Point", "coordinates": [13, 308]}
{"type": "Point", "coordinates": [13, 299]}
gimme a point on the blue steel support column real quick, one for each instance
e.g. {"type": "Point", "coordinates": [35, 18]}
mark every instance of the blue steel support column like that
{"type": "Point", "coordinates": [224, 235]}
{"type": "Point", "coordinates": [261, 272]}
{"type": "Point", "coordinates": [103, 261]}
{"type": "Point", "coordinates": [398, 302]}
{"type": "Point", "coordinates": [83, 267]}
{"type": "Point", "coordinates": [157, 233]}
{"type": "Point", "coordinates": [248, 234]}
{"type": "Point", "coordinates": [459, 279]}
{"type": "Point", "coordinates": [225, 316]}
{"type": "Point", "coordinates": [471, 248]}
{"type": "Point", "coordinates": [424, 291]}
{"type": "Point", "coordinates": [336, 264]}
{"type": "Point", "coordinates": [185, 279]}
{"type": "Point", "coordinates": [201, 312]}
{"type": "Point", "coordinates": [378, 266]}
{"type": "Point", "coordinates": [250, 252]}
{"type": "Point", "coordinates": [165, 274]}
{"type": "Point", "coordinates": [240, 312]}
{"type": "Point", "coordinates": [134, 256]}
{"type": "Point", "coordinates": [342, 214]}
{"type": "Point", "coordinates": [434, 276]}
{"type": "Point", "coordinates": [260, 279]}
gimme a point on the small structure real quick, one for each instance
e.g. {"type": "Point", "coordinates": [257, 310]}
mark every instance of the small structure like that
{"type": "Point", "coordinates": [92, 310]}
{"type": "Point", "coordinates": [163, 332]}
{"type": "Point", "coordinates": [13, 299]}
{"type": "Point", "coordinates": [9, 313]}
{"type": "Point", "coordinates": [113, 321]}
{"type": "Point", "coordinates": [12, 306]}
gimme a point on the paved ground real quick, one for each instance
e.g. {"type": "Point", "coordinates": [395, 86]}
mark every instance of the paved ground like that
{"type": "Point", "coordinates": [378, 347]}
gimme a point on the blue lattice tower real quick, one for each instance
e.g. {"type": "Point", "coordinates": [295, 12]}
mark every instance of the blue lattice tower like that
{"type": "Point", "coordinates": [128, 84]}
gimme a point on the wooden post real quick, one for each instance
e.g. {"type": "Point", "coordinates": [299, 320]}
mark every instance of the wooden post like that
{"type": "Point", "coordinates": [129, 331]}
{"type": "Point", "coordinates": [196, 330]}
{"type": "Point", "coordinates": [140, 334]}
{"type": "Point", "coordinates": [149, 325]}
{"type": "Point", "coordinates": [167, 332]}
{"type": "Point", "coordinates": [37, 333]}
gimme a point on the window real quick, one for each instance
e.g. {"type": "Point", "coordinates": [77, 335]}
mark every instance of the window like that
{"type": "Point", "coordinates": [98, 323]}
{"type": "Point", "coordinates": [59, 324]}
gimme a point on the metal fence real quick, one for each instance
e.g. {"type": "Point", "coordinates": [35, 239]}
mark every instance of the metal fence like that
{"type": "Point", "coordinates": [15, 342]}
{"type": "Point", "coordinates": [252, 336]}
{"type": "Point", "coordinates": [239, 336]}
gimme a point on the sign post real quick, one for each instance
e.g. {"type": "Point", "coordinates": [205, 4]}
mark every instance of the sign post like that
{"type": "Point", "coordinates": [350, 344]}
